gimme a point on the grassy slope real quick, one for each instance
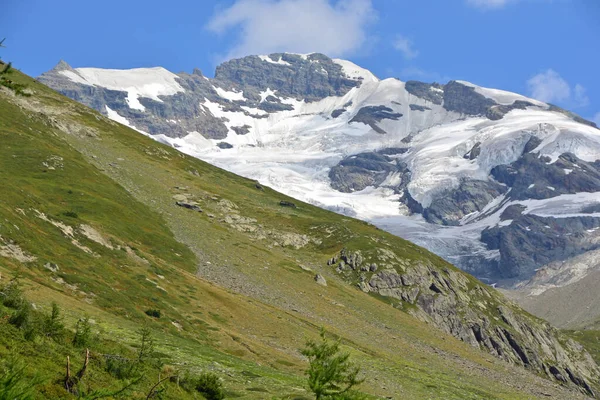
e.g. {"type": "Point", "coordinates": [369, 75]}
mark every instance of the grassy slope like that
{"type": "Point", "coordinates": [123, 184]}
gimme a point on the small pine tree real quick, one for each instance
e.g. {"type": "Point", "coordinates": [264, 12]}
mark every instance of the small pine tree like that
{"type": "Point", "coordinates": [331, 375]}
{"type": "Point", "coordinates": [83, 333]}
{"type": "Point", "coordinates": [53, 326]}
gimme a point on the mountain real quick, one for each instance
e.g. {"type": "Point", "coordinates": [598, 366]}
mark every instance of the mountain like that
{"type": "Point", "coordinates": [496, 183]}
{"type": "Point", "coordinates": [109, 223]}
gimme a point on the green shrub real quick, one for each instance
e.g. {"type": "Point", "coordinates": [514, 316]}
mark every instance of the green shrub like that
{"type": "Point", "coordinates": [208, 384]}
{"type": "Point", "coordinates": [83, 333]}
{"type": "Point", "coordinates": [52, 323]}
{"type": "Point", "coordinates": [11, 294]}
{"type": "Point", "coordinates": [22, 316]}
{"type": "Point", "coordinates": [71, 214]}
{"type": "Point", "coordinates": [120, 367]}
{"type": "Point", "coordinates": [153, 313]}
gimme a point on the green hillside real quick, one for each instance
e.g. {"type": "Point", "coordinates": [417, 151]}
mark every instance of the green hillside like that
{"type": "Point", "coordinates": [89, 220]}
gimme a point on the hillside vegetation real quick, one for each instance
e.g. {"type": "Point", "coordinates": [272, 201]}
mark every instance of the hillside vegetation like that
{"type": "Point", "coordinates": [109, 224]}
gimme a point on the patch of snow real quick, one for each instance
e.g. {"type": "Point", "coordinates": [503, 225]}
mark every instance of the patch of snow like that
{"type": "Point", "coordinates": [270, 60]}
{"type": "Point", "coordinates": [353, 71]}
{"type": "Point", "coordinates": [112, 114]}
{"type": "Point", "coordinates": [567, 171]}
{"type": "Point", "coordinates": [232, 96]}
{"type": "Point", "coordinates": [74, 77]}
{"type": "Point", "coordinates": [531, 186]}
{"type": "Point", "coordinates": [266, 93]}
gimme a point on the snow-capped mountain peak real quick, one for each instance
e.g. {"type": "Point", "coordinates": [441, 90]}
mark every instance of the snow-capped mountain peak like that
{"type": "Point", "coordinates": [461, 169]}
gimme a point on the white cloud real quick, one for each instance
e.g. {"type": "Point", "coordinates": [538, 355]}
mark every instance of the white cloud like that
{"type": "Point", "coordinates": [550, 87]}
{"type": "Point", "coordinates": [489, 4]}
{"type": "Point", "coordinates": [581, 97]}
{"type": "Point", "coordinates": [300, 26]}
{"type": "Point", "coordinates": [406, 47]}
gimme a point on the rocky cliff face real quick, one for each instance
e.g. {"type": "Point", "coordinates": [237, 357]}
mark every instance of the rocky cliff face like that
{"type": "Point", "coordinates": [460, 306]}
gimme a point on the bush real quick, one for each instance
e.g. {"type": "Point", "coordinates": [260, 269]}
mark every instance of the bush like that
{"type": "Point", "coordinates": [24, 319]}
{"type": "Point", "coordinates": [11, 294]}
{"type": "Point", "coordinates": [120, 367]}
{"type": "Point", "coordinates": [207, 384]}
{"type": "Point", "coordinates": [83, 333]}
{"type": "Point", "coordinates": [71, 214]}
{"type": "Point", "coordinates": [153, 313]}
{"type": "Point", "coordinates": [22, 316]}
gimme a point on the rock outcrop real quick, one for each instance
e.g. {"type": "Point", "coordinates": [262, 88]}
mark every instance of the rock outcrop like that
{"type": "Point", "coordinates": [464, 308]}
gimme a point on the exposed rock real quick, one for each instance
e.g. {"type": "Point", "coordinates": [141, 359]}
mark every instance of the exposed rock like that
{"type": "Point", "coordinates": [371, 115]}
{"type": "Point", "coordinates": [272, 107]}
{"type": "Point", "coordinates": [189, 205]}
{"type": "Point", "coordinates": [474, 152]}
{"type": "Point", "coordinates": [224, 145]}
{"type": "Point", "coordinates": [532, 177]}
{"type": "Point", "coordinates": [591, 209]}
{"type": "Point", "coordinates": [51, 267]}
{"type": "Point", "coordinates": [12, 250]}
{"type": "Point", "coordinates": [320, 280]}
{"type": "Point", "coordinates": [302, 79]}
{"type": "Point", "coordinates": [241, 130]}
{"type": "Point", "coordinates": [338, 112]}
{"type": "Point", "coordinates": [531, 241]}
{"type": "Point", "coordinates": [499, 111]}
{"type": "Point", "coordinates": [470, 196]}
{"type": "Point", "coordinates": [285, 203]}
{"type": "Point", "coordinates": [431, 92]}
{"type": "Point", "coordinates": [531, 144]}
{"type": "Point", "coordinates": [366, 169]}
{"type": "Point", "coordinates": [416, 107]}
{"type": "Point", "coordinates": [512, 212]}
{"type": "Point", "coordinates": [465, 100]}
{"type": "Point", "coordinates": [478, 316]}
{"type": "Point", "coordinates": [392, 151]}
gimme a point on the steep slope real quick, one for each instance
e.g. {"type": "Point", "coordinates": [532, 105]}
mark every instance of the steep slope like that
{"type": "Point", "coordinates": [465, 171]}
{"type": "Point", "coordinates": [134, 224]}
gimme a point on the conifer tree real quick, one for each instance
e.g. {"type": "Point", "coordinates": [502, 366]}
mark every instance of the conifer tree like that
{"type": "Point", "coordinates": [331, 375]}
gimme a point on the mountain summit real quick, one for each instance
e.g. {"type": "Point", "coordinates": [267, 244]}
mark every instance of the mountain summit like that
{"type": "Point", "coordinates": [483, 177]}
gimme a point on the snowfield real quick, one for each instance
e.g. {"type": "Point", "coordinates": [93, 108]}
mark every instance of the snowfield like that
{"type": "Point", "coordinates": [137, 82]}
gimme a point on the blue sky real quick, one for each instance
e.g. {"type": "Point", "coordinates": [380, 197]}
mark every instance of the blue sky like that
{"type": "Point", "coordinates": [548, 49]}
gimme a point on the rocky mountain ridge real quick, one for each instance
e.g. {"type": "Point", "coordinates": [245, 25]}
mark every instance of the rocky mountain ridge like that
{"type": "Point", "coordinates": [443, 165]}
